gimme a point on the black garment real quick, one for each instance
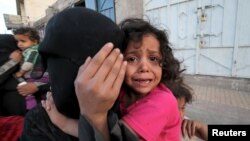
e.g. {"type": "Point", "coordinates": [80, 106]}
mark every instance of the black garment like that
{"type": "Point", "coordinates": [38, 127]}
{"type": "Point", "coordinates": [11, 102]}
{"type": "Point", "coordinates": [7, 45]}
{"type": "Point", "coordinates": [117, 130]}
{"type": "Point", "coordinates": [6, 73]}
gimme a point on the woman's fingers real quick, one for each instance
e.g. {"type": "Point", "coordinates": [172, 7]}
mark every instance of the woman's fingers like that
{"type": "Point", "coordinates": [84, 66]}
{"type": "Point", "coordinates": [120, 78]}
{"type": "Point", "coordinates": [110, 68]}
{"type": "Point", "coordinates": [97, 61]}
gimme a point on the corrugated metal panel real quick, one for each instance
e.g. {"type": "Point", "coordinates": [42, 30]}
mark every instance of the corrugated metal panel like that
{"type": "Point", "coordinates": [211, 37]}
{"type": "Point", "coordinates": [242, 54]}
{"type": "Point", "coordinates": [106, 7]}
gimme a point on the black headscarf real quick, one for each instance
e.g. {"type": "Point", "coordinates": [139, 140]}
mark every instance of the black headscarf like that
{"type": "Point", "coordinates": [70, 37]}
{"type": "Point", "coordinates": [7, 45]}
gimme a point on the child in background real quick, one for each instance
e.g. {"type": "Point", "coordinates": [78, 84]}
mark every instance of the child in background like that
{"type": "Point", "coordinates": [190, 128]}
{"type": "Point", "coordinates": [27, 40]}
{"type": "Point", "coordinates": [146, 97]}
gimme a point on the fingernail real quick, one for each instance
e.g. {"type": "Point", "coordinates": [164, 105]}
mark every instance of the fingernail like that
{"type": "Point", "coordinates": [48, 94]}
{"type": "Point", "coordinates": [88, 58]}
{"type": "Point", "coordinates": [117, 50]}
{"type": "Point", "coordinates": [42, 102]}
{"type": "Point", "coordinates": [121, 56]}
{"type": "Point", "coordinates": [108, 46]}
{"type": "Point", "coordinates": [125, 63]}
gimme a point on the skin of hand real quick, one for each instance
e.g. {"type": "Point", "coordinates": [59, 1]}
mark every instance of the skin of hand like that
{"type": "Point", "coordinates": [194, 128]}
{"type": "Point", "coordinates": [16, 55]}
{"type": "Point", "coordinates": [20, 73]}
{"type": "Point", "coordinates": [27, 89]}
{"type": "Point", "coordinates": [97, 86]}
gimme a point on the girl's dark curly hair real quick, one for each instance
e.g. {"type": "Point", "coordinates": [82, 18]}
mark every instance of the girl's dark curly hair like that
{"type": "Point", "coordinates": [134, 29]}
{"type": "Point", "coordinates": [183, 91]}
{"type": "Point", "coordinates": [28, 31]}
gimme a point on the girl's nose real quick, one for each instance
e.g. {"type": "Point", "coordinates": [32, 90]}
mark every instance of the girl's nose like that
{"type": "Point", "coordinates": [143, 66]}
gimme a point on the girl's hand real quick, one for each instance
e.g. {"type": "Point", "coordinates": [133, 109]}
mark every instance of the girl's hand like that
{"type": "Point", "coordinates": [194, 128]}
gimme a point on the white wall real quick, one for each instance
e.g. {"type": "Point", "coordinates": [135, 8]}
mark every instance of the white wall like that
{"type": "Point", "coordinates": [217, 45]}
{"type": "Point", "coordinates": [128, 8]}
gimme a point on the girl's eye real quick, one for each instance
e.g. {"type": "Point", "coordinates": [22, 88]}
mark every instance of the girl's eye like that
{"type": "Point", "coordinates": [130, 59]}
{"type": "Point", "coordinates": [154, 59]}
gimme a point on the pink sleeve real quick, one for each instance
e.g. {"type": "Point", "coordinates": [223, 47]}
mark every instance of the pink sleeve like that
{"type": "Point", "coordinates": [155, 117]}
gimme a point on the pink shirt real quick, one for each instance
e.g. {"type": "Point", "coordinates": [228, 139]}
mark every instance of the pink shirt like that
{"type": "Point", "coordinates": [155, 117]}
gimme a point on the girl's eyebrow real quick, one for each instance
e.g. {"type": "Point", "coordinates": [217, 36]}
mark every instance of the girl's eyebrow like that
{"type": "Point", "coordinates": [138, 51]}
{"type": "Point", "coordinates": [153, 51]}
{"type": "Point", "coordinates": [132, 52]}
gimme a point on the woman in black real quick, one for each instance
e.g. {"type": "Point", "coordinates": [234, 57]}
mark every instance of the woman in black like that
{"type": "Point", "coordinates": [71, 36]}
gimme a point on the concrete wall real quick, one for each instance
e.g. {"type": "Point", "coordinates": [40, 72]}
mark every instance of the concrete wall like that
{"type": "Point", "coordinates": [54, 8]}
{"type": "Point", "coordinates": [35, 9]}
{"type": "Point", "coordinates": [128, 8]}
{"type": "Point", "coordinates": [59, 5]}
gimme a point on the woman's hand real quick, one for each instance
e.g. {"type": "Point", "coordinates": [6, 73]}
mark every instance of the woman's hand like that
{"type": "Point", "coordinates": [16, 55]}
{"type": "Point", "coordinates": [99, 80]}
{"type": "Point", "coordinates": [27, 89]}
{"type": "Point", "coordinates": [98, 84]}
